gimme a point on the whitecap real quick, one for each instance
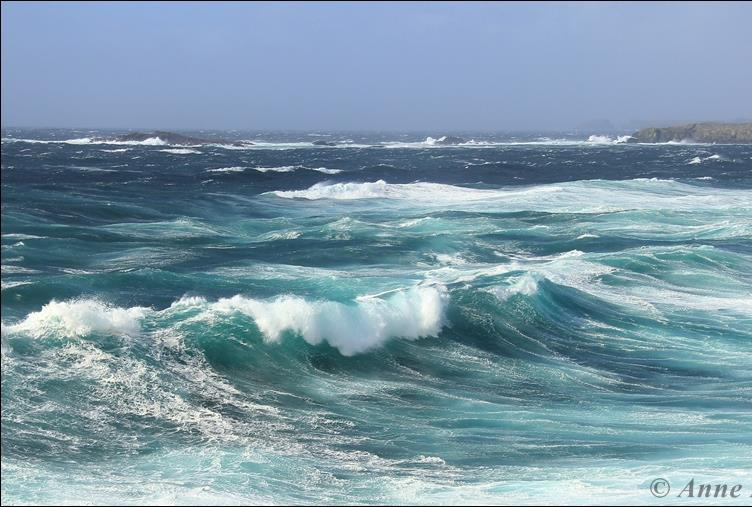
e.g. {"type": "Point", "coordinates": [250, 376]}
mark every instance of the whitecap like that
{"type": "Point", "coordinates": [578, 196]}
{"type": "Point", "coordinates": [700, 160]}
{"type": "Point", "coordinates": [351, 328]}
{"type": "Point", "coordinates": [233, 169]}
{"type": "Point", "coordinates": [77, 318]}
{"type": "Point", "coordinates": [181, 151]}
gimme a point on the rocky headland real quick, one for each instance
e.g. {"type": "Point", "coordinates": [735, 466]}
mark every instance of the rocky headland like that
{"type": "Point", "coordinates": [708, 132]}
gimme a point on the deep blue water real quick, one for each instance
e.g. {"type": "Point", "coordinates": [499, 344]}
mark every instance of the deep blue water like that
{"type": "Point", "coordinates": [518, 319]}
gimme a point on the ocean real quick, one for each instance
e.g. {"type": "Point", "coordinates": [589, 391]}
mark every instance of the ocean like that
{"type": "Point", "coordinates": [516, 319]}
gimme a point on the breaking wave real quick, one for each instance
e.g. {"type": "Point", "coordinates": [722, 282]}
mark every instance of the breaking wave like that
{"type": "Point", "coordinates": [579, 196]}
{"type": "Point", "coordinates": [350, 328]}
{"type": "Point", "coordinates": [279, 169]}
{"type": "Point", "coordinates": [77, 318]}
{"type": "Point", "coordinates": [700, 160]}
{"type": "Point", "coordinates": [181, 151]}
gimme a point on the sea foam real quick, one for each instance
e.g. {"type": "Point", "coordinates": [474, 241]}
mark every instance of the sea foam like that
{"type": "Point", "coordinates": [181, 151]}
{"type": "Point", "coordinates": [350, 328]}
{"type": "Point", "coordinates": [578, 196]}
{"type": "Point", "coordinates": [70, 319]}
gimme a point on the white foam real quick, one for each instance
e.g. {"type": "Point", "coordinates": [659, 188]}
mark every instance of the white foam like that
{"type": "Point", "coordinates": [278, 169]}
{"type": "Point", "coordinates": [324, 170]}
{"type": "Point", "coordinates": [526, 284]}
{"type": "Point", "coordinates": [8, 269]}
{"type": "Point", "coordinates": [9, 285]}
{"type": "Point", "coordinates": [77, 318]}
{"type": "Point", "coordinates": [451, 259]}
{"type": "Point", "coordinates": [83, 140]}
{"type": "Point", "coordinates": [599, 139]}
{"type": "Point", "coordinates": [700, 160]}
{"type": "Point", "coordinates": [411, 314]}
{"type": "Point", "coordinates": [292, 168]}
{"type": "Point", "coordinates": [181, 151]}
{"type": "Point", "coordinates": [382, 190]}
{"type": "Point", "coordinates": [233, 169]}
{"type": "Point", "coordinates": [430, 142]}
{"type": "Point", "coordinates": [351, 328]}
{"type": "Point", "coordinates": [21, 236]}
{"type": "Point", "coordinates": [578, 196]}
{"type": "Point", "coordinates": [152, 141]}
{"type": "Point", "coordinates": [280, 235]}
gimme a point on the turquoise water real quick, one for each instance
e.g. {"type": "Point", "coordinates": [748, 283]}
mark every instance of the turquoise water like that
{"type": "Point", "coordinates": [382, 321]}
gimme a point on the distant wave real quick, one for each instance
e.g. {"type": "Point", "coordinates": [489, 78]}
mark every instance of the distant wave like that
{"type": "Point", "coordinates": [82, 140]}
{"type": "Point", "coordinates": [598, 139]}
{"type": "Point", "coordinates": [233, 169]}
{"type": "Point", "coordinates": [280, 169]}
{"type": "Point", "coordinates": [152, 141]}
{"type": "Point", "coordinates": [412, 313]}
{"type": "Point", "coordinates": [291, 168]}
{"type": "Point", "coordinates": [700, 160]}
{"type": "Point", "coordinates": [428, 142]}
{"type": "Point", "coordinates": [578, 196]}
{"type": "Point", "coordinates": [181, 151]}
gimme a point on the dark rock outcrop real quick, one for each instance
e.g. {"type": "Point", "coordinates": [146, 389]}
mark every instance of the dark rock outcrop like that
{"type": "Point", "coordinates": [710, 132]}
{"type": "Point", "coordinates": [449, 140]}
{"type": "Point", "coordinates": [176, 139]}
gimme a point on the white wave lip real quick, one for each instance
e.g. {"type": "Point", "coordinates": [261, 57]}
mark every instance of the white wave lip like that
{"type": "Point", "coordinates": [76, 318]}
{"type": "Point", "coordinates": [351, 329]}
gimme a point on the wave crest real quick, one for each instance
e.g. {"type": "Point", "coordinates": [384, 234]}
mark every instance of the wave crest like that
{"type": "Point", "coordinates": [350, 328]}
{"type": "Point", "coordinates": [76, 318]}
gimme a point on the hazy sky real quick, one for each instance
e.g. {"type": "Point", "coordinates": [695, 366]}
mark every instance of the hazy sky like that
{"type": "Point", "coordinates": [390, 66]}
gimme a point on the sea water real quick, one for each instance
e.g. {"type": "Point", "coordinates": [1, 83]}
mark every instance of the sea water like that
{"type": "Point", "coordinates": [387, 320]}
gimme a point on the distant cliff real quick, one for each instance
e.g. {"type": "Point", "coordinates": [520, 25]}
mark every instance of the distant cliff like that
{"type": "Point", "coordinates": [728, 133]}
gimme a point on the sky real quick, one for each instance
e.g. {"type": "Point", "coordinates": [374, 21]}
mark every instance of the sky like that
{"type": "Point", "coordinates": [436, 66]}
